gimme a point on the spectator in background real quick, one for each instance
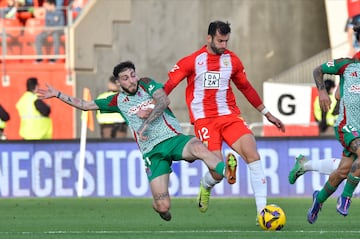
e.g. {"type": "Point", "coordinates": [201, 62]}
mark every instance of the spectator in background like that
{"type": "Point", "coordinates": [76, 7]}
{"type": "Point", "coordinates": [353, 7]}
{"type": "Point", "coordinates": [4, 116]}
{"type": "Point", "coordinates": [35, 122]}
{"type": "Point", "coordinates": [18, 9]}
{"type": "Point", "coordinates": [54, 18]}
{"type": "Point", "coordinates": [112, 125]}
{"type": "Point", "coordinates": [59, 4]}
{"type": "Point", "coordinates": [326, 120]}
{"type": "Point", "coordinates": [26, 10]}
{"type": "Point", "coordinates": [10, 10]}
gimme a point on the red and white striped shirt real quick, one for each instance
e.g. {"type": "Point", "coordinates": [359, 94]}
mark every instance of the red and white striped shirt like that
{"type": "Point", "coordinates": [208, 91]}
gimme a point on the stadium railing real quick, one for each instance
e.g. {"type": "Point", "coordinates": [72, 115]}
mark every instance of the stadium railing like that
{"type": "Point", "coordinates": [18, 37]}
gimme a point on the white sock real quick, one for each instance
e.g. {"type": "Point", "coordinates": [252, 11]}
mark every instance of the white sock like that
{"type": "Point", "coordinates": [258, 184]}
{"type": "Point", "coordinates": [208, 181]}
{"type": "Point", "coordinates": [324, 166]}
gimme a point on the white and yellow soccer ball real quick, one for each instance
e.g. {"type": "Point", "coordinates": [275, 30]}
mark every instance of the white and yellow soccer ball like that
{"type": "Point", "coordinates": [272, 218]}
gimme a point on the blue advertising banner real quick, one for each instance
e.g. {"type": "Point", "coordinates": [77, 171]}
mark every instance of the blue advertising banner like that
{"type": "Point", "coordinates": [116, 169]}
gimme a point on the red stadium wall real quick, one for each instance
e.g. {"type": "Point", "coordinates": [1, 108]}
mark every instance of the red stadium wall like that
{"type": "Point", "coordinates": [13, 85]}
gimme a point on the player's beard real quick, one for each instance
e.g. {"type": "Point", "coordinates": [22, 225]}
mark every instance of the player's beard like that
{"type": "Point", "coordinates": [131, 92]}
{"type": "Point", "coordinates": [217, 51]}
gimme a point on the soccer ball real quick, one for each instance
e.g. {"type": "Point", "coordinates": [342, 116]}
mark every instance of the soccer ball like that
{"type": "Point", "coordinates": [272, 218]}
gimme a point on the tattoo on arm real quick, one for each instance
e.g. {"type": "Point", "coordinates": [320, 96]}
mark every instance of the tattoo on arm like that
{"type": "Point", "coordinates": [162, 103]}
{"type": "Point", "coordinates": [355, 144]}
{"type": "Point", "coordinates": [318, 77]}
{"type": "Point", "coordinates": [78, 103]}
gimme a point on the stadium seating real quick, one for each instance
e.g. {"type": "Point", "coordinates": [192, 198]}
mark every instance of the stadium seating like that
{"type": "Point", "coordinates": [33, 27]}
{"type": "Point", "coordinates": [13, 30]}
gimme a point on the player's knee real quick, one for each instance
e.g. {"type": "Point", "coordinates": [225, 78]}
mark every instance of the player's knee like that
{"type": "Point", "coordinates": [342, 173]}
{"type": "Point", "coordinates": [161, 206]}
{"type": "Point", "coordinates": [197, 147]}
{"type": "Point", "coordinates": [355, 146]}
{"type": "Point", "coordinates": [356, 167]}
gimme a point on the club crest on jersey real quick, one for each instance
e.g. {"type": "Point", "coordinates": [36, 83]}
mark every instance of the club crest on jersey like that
{"type": "Point", "coordinates": [151, 87]}
{"type": "Point", "coordinates": [211, 79]}
{"type": "Point", "coordinates": [226, 61]}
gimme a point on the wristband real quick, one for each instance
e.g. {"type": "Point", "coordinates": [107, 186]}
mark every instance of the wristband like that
{"type": "Point", "coordinates": [58, 95]}
{"type": "Point", "coordinates": [264, 111]}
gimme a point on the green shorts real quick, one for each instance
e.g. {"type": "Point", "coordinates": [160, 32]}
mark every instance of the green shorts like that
{"type": "Point", "coordinates": [158, 161]}
{"type": "Point", "coordinates": [346, 135]}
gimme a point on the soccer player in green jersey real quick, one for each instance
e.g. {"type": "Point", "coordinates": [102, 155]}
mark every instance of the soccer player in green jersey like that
{"type": "Point", "coordinates": [144, 105]}
{"type": "Point", "coordinates": [347, 131]}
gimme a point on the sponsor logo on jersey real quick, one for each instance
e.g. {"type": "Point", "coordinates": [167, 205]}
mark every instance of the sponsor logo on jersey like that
{"type": "Point", "coordinates": [211, 79]}
{"type": "Point", "coordinates": [354, 89]}
{"type": "Point", "coordinates": [141, 106]}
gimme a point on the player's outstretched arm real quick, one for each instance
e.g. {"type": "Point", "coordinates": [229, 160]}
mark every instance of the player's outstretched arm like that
{"type": "Point", "coordinates": [81, 104]}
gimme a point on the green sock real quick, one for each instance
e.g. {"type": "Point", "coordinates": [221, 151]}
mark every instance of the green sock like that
{"type": "Point", "coordinates": [326, 192]}
{"type": "Point", "coordinates": [350, 185]}
{"type": "Point", "coordinates": [220, 168]}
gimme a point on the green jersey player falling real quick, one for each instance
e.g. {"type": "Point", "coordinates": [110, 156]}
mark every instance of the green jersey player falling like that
{"type": "Point", "coordinates": [144, 105]}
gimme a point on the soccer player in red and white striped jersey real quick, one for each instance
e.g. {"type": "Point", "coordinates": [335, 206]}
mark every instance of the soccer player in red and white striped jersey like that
{"type": "Point", "coordinates": [213, 110]}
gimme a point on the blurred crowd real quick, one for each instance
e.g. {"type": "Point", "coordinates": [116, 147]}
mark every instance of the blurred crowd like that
{"type": "Point", "coordinates": [36, 27]}
{"type": "Point", "coordinates": [26, 9]}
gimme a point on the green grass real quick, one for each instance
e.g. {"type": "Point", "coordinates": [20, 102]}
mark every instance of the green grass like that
{"type": "Point", "coordinates": [134, 218]}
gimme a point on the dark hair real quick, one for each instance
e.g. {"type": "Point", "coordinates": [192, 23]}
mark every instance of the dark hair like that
{"type": "Point", "coordinates": [329, 84]}
{"type": "Point", "coordinates": [222, 27]}
{"type": "Point", "coordinates": [52, 2]}
{"type": "Point", "coordinates": [122, 67]}
{"type": "Point", "coordinates": [31, 83]}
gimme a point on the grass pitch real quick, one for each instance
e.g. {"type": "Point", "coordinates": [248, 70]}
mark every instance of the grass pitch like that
{"type": "Point", "coordinates": [134, 218]}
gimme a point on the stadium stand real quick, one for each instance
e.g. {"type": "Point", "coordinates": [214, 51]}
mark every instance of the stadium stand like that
{"type": "Point", "coordinates": [17, 63]}
{"type": "Point", "coordinates": [11, 31]}
{"type": "Point", "coordinates": [33, 27]}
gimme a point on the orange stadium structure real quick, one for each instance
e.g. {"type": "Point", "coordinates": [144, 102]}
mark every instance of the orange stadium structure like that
{"type": "Point", "coordinates": [13, 85]}
{"type": "Point", "coordinates": [17, 64]}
